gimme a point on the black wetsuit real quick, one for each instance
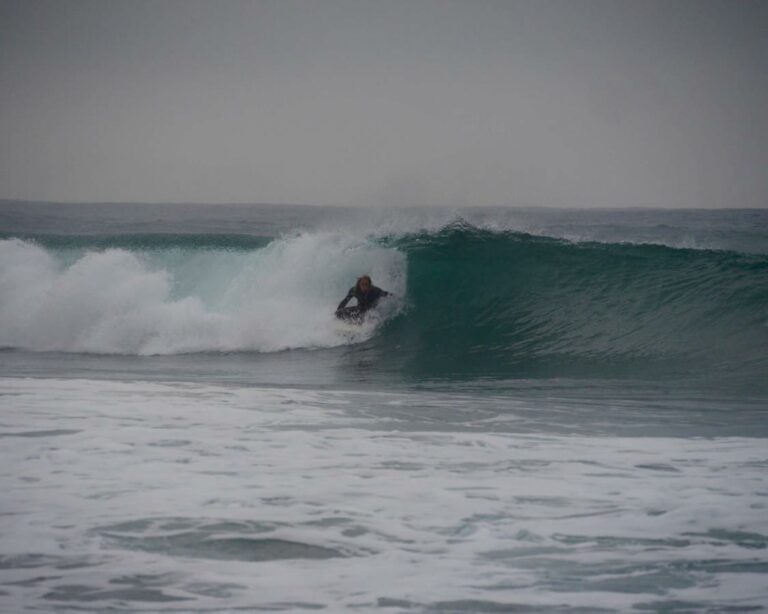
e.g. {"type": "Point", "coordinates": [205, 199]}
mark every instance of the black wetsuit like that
{"type": "Point", "coordinates": [365, 301]}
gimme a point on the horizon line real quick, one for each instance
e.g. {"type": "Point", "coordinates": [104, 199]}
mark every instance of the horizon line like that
{"type": "Point", "coordinates": [4, 201]}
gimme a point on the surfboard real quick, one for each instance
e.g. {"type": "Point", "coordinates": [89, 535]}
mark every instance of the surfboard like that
{"type": "Point", "coordinates": [350, 315]}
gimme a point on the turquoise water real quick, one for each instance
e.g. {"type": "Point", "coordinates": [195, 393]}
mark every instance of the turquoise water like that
{"type": "Point", "coordinates": [557, 410]}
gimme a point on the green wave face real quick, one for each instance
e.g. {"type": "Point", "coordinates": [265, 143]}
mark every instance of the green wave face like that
{"type": "Point", "coordinates": [508, 304]}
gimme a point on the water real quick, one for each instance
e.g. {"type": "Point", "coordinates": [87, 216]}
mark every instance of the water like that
{"type": "Point", "coordinates": [558, 411]}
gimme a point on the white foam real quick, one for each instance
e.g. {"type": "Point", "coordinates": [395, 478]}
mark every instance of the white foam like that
{"type": "Point", "coordinates": [116, 301]}
{"type": "Point", "coordinates": [422, 517]}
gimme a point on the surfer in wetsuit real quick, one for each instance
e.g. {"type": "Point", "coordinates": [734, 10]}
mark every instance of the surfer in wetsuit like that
{"type": "Point", "coordinates": [367, 296]}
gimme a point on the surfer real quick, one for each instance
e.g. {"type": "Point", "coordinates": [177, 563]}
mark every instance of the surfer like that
{"type": "Point", "coordinates": [367, 296]}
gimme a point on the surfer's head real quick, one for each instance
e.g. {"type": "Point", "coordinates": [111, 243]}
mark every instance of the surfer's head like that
{"type": "Point", "coordinates": [364, 283]}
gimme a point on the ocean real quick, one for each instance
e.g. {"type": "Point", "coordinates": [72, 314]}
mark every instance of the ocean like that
{"type": "Point", "coordinates": [555, 411]}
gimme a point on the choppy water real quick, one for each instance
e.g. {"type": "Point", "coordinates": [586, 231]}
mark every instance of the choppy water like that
{"type": "Point", "coordinates": [558, 411]}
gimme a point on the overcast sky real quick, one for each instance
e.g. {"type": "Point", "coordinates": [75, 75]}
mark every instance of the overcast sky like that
{"type": "Point", "coordinates": [572, 103]}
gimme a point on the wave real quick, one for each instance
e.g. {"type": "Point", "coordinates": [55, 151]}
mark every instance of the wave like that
{"type": "Point", "coordinates": [468, 300]}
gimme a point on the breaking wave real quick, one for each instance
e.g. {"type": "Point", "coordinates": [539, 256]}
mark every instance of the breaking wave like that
{"type": "Point", "coordinates": [186, 295]}
{"type": "Point", "coordinates": [467, 300]}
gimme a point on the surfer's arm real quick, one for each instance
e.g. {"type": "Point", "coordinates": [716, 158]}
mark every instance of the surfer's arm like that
{"type": "Point", "coordinates": [347, 298]}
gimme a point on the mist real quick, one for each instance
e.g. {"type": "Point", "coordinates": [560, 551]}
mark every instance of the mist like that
{"type": "Point", "coordinates": [568, 104]}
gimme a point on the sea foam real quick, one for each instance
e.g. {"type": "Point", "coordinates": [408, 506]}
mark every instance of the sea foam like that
{"type": "Point", "coordinates": [175, 301]}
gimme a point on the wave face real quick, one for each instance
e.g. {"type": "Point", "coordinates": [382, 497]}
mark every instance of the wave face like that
{"type": "Point", "coordinates": [509, 303]}
{"type": "Point", "coordinates": [469, 301]}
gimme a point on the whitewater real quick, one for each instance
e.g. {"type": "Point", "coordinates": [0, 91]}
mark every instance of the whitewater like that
{"type": "Point", "coordinates": [169, 301]}
{"type": "Point", "coordinates": [556, 411]}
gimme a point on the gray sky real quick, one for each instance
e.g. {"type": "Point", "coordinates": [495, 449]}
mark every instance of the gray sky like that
{"type": "Point", "coordinates": [571, 103]}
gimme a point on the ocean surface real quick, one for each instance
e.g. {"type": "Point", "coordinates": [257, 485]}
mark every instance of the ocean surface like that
{"type": "Point", "coordinates": [556, 411]}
